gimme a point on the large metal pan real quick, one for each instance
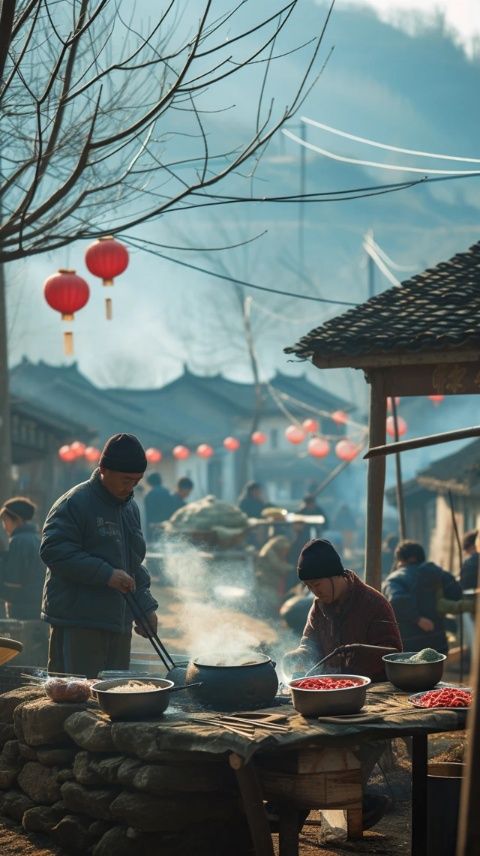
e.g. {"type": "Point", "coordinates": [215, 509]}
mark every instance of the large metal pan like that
{"type": "Point", "coordinates": [134, 705]}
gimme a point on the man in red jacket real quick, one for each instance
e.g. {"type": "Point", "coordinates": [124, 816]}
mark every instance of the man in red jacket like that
{"type": "Point", "coordinates": [345, 610]}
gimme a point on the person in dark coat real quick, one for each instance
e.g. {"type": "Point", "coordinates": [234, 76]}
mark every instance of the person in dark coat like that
{"type": "Point", "coordinates": [94, 550]}
{"type": "Point", "coordinates": [180, 495]}
{"type": "Point", "coordinates": [158, 504]}
{"type": "Point", "coordinates": [21, 571]}
{"type": "Point", "coordinates": [251, 500]}
{"type": "Point", "coordinates": [469, 570]}
{"type": "Point", "coordinates": [310, 508]}
{"type": "Point", "coordinates": [414, 589]}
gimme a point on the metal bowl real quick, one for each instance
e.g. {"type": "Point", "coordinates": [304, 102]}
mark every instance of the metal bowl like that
{"type": "Point", "coordinates": [330, 702]}
{"type": "Point", "coordinates": [413, 677]}
{"type": "Point", "coordinates": [133, 706]}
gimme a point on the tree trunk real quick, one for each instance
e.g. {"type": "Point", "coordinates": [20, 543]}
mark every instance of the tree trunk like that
{"type": "Point", "coordinates": [5, 436]}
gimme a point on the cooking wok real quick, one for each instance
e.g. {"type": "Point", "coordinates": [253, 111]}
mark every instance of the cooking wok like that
{"type": "Point", "coordinates": [242, 683]}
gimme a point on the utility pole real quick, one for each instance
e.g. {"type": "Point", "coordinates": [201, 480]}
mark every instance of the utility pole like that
{"type": "Point", "coordinates": [370, 267]}
{"type": "Point", "coordinates": [301, 211]}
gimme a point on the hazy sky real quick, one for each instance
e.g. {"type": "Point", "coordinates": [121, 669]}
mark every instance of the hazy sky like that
{"type": "Point", "coordinates": [462, 15]}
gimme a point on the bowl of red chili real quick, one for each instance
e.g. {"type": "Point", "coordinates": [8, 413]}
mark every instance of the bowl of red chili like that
{"type": "Point", "coordinates": [329, 695]}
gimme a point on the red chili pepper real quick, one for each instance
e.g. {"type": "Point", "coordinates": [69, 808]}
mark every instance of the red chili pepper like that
{"type": "Point", "coordinates": [326, 683]}
{"type": "Point", "coordinates": [446, 697]}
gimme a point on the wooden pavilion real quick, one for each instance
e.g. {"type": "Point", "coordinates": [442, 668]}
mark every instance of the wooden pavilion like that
{"type": "Point", "coordinates": [421, 338]}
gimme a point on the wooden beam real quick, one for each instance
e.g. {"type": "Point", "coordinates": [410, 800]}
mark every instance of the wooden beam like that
{"type": "Point", "coordinates": [419, 442]}
{"type": "Point", "coordinates": [393, 358]}
{"type": "Point", "coordinates": [376, 483]}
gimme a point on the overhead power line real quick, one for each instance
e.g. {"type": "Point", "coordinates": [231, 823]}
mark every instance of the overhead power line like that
{"type": "Point", "coordinates": [367, 141]}
{"type": "Point", "coordinates": [376, 164]}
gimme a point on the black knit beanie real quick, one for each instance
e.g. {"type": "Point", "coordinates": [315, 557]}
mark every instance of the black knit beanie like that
{"type": "Point", "coordinates": [19, 506]}
{"type": "Point", "coordinates": [319, 560]}
{"type": "Point", "coordinates": [124, 454]}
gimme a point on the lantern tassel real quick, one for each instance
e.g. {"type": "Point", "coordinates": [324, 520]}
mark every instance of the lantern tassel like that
{"type": "Point", "coordinates": [68, 343]}
{"type": "Point", "coordinates": [108, 308]}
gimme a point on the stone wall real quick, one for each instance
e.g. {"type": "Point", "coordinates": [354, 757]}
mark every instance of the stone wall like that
{"type": "Point", "coordinates": [102, 788]}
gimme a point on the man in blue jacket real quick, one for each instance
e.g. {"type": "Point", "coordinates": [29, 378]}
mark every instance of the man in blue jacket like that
{"type": "Point", "coordinates": [414, 590]}
{"type": "Point", "coordinates": [94, 548]}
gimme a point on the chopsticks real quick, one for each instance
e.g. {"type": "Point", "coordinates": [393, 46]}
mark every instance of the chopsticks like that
{"type": "Point", "coordinates": [242, 726]}
{"type": "Point", "coordinates": [141, 617]}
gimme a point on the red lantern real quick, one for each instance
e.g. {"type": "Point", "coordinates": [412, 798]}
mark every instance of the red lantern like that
{"type": "Point", "coordinates": [294, 435]}
{"type": "Point", "coordinates": [389, 403]}
{"type": "Point", "coordinates": [65, 454]}
{"type": "Point", "coordinates": [67, 293]}
{"type": "Point", "coordinates": [436, 399]}
{"type": "Point", "coordinates": [231, 444]}
{"type": "Point", "coordinates": [258, 438]}
{"type": "Point", "coordinates": [181, 453]}
{"type": "Point", "coordinates": [204, 450]}
{"type": "Point", "coordinates": [78, 449]}
{"type": "Point", "coordinates": [346, 450]}
{"type": "Point", "coordinates": [311, 426]}
{"type": "Point", "coordinates": [401, 425]}
{"type": "Point", "coordinates": [318, 447]}
{"type": "Point", "coordinates": [339, 417]}
{"type": "Point", "coordinates": [91, 454]}
{"type": "Point", "coordinates": [106, 258]}
{"type": "Point", "coordinates": [153, 456]}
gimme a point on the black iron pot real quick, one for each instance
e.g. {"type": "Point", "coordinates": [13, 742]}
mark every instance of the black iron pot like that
{"type": "Point", "coordinates": [236, 686]}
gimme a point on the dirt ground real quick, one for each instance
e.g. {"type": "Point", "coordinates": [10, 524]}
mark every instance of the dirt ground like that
{"type": "Point", "coordinates": [177, 628]}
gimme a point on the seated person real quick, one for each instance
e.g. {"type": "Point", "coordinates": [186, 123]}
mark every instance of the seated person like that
{"type": "Point", "coordinates": [345, 610]}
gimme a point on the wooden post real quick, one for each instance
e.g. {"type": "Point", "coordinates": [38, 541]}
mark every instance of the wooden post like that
{"type": "Point", "coordinates": [252, 799]}
{"type": "Point", "coordinates": [376, 481]}
{"type": "Point", "coordinates": [469, 817]}
{"type": "Point", "coordinates": [398, 469]}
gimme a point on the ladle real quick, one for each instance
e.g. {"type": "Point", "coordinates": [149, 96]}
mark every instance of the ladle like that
{"type": "Point", "coordinates": [347, 649]}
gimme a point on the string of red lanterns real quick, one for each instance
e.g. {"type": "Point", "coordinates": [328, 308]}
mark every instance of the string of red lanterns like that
{"type": "Point", "coordinates": [294, 435]}
{"type": "Point", "coordinates": [318, 447]}
{"type": "Point", "coordinates": [402, 426]}
{"type": "Point", "coordinates": [153, 455]}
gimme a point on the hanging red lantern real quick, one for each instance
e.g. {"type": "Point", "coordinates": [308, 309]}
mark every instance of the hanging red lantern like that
{"type": "Point", "coordinates": [231, 444]}
{"type": "Point", "coordinates": [107, 258]}
{"type": "Point", "coordinates": [181, 453]}
{"type": "Point", "coordinates": [92, 454]}
{"type": "Point", "coordinates": [65, 454]}
{"type": "Point", "coordinates": [389, 403]}
{"type": "Point", "coordinates": [318, 447]}
{"type": "Point", "coordinates": [401, 426]}
{"type": "Point", "coordinates": [67, 293]}
{"type": "Point", "coordinates": [339, 417]}
{"type": "Point", "coordinates": [153, 456]}
{"type": "Point", "coordinates": [436, 399]}
{"type": "Point", "coordinates": [311, 426]}
{"type": "Point", "coordinates": [294, 435]}
{"type": "Point", "coordinates": [78, 448]}
{"type": "Point", "coordinates": [258, 438]}
{"type": "Point", "coordinates": [204, 450]}
{"type": "Point", "coordinates": [346, 450]}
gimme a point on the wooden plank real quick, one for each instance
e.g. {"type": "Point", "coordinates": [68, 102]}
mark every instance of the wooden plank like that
{"type": "Point", "coordinates": [458, 378]}
{"type": "Point", "coordinates": [419, 794]}
{"type": "Point", "coordinates": [376, 483]}
{"type": "Point", "coordinates": [372, 362]}
{"type": "Point", "coordinates": [355, 822]}
{"type": "Point", "coordinates": [378, 451]}
{"type": "Point", "coordinates": [469, 817]}
{"type": "Point", "coordinates": [288, 832]}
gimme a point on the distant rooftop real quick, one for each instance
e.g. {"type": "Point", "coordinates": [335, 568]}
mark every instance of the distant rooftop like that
{"type": "Point", "coordinates": [431, 312]}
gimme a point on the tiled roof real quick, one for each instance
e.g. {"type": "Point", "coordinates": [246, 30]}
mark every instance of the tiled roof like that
{"type": "Point", "coordinates": [433, 311]}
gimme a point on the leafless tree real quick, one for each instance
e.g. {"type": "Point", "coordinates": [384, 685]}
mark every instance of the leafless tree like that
{"type": "Point", "coordinates": [108, 121]}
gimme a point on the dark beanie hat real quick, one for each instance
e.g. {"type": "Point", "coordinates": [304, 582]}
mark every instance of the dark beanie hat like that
{"type": "Point", "coordinates": [19, 506]}
{"type": "Point", "coordinates": [124, 454]}
{"type": "Point", "coordinates": [318, 560]}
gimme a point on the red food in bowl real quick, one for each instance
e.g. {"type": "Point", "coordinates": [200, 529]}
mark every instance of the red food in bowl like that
{"type": "Point", "coordinates": [326, 683]}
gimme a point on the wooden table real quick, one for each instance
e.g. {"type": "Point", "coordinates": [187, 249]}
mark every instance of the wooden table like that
{"type": "Point", "coordinates": [313, 749]}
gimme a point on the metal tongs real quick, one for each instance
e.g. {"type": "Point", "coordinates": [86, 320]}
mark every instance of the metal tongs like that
{"type": "Point", "coordinates": [141, 618]}
{"type": "Point", "coordinates": [344, 650]}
